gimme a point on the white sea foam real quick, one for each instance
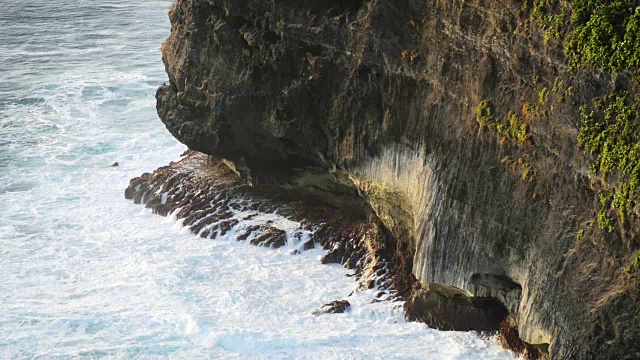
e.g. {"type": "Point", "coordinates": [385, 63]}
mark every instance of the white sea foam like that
{"type": "Point", "coordinates": [85, 273]}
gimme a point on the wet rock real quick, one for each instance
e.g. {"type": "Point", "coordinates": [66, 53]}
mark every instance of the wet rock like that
{"type": "Point", "coordinates": [273, 237]}
{"type": "Point", "coordinates": [225, 226]}
{"type": "Point", "coordinates": [310, 244]}
{"type": "Point", "coordinates": [334, 256]}
{"type": "Point", "coordinates": [205, 234]}
{"type": "Point", "coordinates": [205, 190]}
{"type": "Point", "coordinates": [161, 209]}
{"type": "Point", "coordinates": [208, 218]}
{"type": "Point", "coordinates": [510, 339]}
{"type": "Point", "coordinates": [243, 236]}
{"type": "Point", "coordinates": [247, 232]}
{"type": "Point", "coordinates": [335, 307]}
{"type": "Point", "coordinates": [138, 197]}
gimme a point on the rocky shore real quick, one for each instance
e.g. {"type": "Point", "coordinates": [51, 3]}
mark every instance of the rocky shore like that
{"type": "Point", "coordinates": [211, 199]}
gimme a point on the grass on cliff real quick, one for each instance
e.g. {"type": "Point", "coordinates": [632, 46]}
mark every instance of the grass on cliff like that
{"type": "Point", "coordinates": [611, 132]}
{"type": "Point", "coordinates": [636, 260]}
{"type": "Point", "coordinates": [606, 35]}
{"type": "Point", "coordinates": [512, 126]}
{"type": "Point", "coordinates": [633, 269]}
{"type": "Point", "coordinates": [598, 34]}
{"type": "Point", "coordinates": [603, 35]}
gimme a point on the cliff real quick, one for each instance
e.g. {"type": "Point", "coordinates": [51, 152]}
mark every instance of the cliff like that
{"type": "Point", "coordinates": [458, 124]}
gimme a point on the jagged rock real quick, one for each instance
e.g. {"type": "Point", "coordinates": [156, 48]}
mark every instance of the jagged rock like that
{"type": "Point", "coordinates": [272, 237]}
{"type": "Point", "coordinates": [334, 256]}
{"type": "Point", "coordinates": [247, 232]}
{"type": "Point", "coordinates": [225, 226]}
{"type": "Point", "coordinates": [335, 307]}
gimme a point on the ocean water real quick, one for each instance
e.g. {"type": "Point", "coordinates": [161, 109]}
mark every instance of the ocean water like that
{"type": "Point", "coordinates": [86, 274]}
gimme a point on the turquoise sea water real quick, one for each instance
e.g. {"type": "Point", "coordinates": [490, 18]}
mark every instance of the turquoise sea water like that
{"type": "Point", "coordinates": [87, 274]}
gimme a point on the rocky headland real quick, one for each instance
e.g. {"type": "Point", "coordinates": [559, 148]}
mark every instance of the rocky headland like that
{"type": "Point", "coordinates": [478, 159]}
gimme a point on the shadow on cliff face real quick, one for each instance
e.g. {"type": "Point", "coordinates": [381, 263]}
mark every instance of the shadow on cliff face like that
{"type": "Point", "coordinates": [445, 307]}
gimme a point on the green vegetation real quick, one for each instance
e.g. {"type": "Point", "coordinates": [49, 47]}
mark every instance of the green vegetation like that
{"type": "Point", "coordinates": [636, 260]}
{"type": "Point", "coordinates": [484, 114]}
{"type": "Point", "coordinates": [528, 109]}
{"type": "Point", "coordinates": [556, 23]}
{"type": "Point", "coordinates": [517, 128]}
{"type": "Point", "coordinates": [512, 127]}
{"type": "Point", "coordinates": [553, 24]}
{"type": "Point", "coordinates": [606, 35]}
{"type": "Point", "coordinates": [604, 221]}
{"type": "Point", "coordinates": [527, 172]}
{"type": "Point", "coordinates": [601, 34]}
{"type": "Point", "coordinates": [580, 234]}
{"type": "Point", "coordinates": [543, 96]}
{"type": "Point", "coordinates": [557, 85]}
{"type": "Point", "coordinates": [622, 201]}
{"type": "Point", "coordinates": [612, 134]}
{"type": "Point", "coordinates": [569, 90]}
{"type": "Point", "coordinates": [634, 265]}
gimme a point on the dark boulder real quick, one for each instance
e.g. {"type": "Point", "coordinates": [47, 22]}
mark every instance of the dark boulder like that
{"type": "Point", "coordinates": [334, 307]}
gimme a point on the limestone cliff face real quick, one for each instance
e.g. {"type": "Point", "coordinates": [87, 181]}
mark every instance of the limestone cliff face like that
{"type": "Point", "coordinates": [387, 92]}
